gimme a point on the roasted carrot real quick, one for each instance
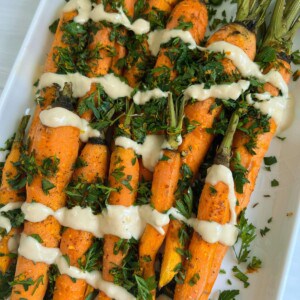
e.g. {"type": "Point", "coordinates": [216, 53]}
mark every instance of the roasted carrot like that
{"type": "Point", "coordinates": [61, 143]}
{"type": "Point", "coordinates": [49, 93]}
{"type": "Point", "coordinates": [213, 207]}
{"type": "Point", "coordinates": [124, 177]}
{"type": "Point", "coordinates": [165, 178]}
{"type": "Point", "coordinates": [8, 194]}
{"type": "Point", "coordinates": [75, 243]}
{"type": "Point", "coordinates": [252, 164]}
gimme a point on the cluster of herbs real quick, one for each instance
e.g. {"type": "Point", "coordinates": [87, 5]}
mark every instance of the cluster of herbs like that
{"type": "Point", "coordinates": [103, 108]}
{"type": "Point", "coordinates": [143, 193]}
{"type": "Point", "coordinates": [6, 279]}
{"type": "Point", "coordinates": [72, 58]}
{"type": "Point", "coordinates": [27, 168]}
{"type": "Point", "coordinates": [7, 147]}
{"type": "Point", "coordinates": [129, 275]}
{"type": "Point", "coordinates": [15, 216]}
{"type": "Point", "coordinates": [84, 194]}
{"type": "Point", "coordinates": [191, 67]}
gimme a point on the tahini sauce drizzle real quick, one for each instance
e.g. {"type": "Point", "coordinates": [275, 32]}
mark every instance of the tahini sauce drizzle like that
{"type": "Point", "coordinates": [85, 12]}
{"type": "Point", "coordinates": [60, 117]}
{"type": "Point", "coordinates": [150, 150]}
{"type": "Point", "coordinates": [124, 222]}
{"type": "Point", "coordinates": [223, 91]}
{"type": "Point", "coordinates": [140, 26]}
{"type": "Point", "coordinates": [112, 85]}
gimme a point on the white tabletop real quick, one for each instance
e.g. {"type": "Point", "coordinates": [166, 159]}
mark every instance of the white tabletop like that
{"type": "Point", "coordinates": [15, 17]}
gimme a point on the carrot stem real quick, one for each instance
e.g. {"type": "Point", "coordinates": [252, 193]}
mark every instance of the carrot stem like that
{"type": "Point", "coordinates": [283, 26]}
{"type": "Point", "coordinates": [224, 152]}
{"type": "Point", "coordinates": [21, 129]}
{"type": "Point", "coordinates": [252, 12]}
{"type": "Point", "coordinates": [176, 121]}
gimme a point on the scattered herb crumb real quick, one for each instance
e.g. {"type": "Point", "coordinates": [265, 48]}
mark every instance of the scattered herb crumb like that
{"type": "Point", "coordinates": [274, 183]}
{"type": "Point", "coordinates": [264, 231]}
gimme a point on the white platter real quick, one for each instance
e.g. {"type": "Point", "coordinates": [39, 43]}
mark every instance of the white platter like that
{"type": "Point", "coordinates": [275, 249]}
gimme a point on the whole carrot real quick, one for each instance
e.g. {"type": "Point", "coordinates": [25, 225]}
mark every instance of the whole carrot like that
{"type": "Point", "coordinates": [214, 206]}
{"type": "Point", "coordinates": [252, 161]}
{"type": "Point", "coordinates": [51, 65]}
{"type": "Point", "coordinates": [10, 189]}
{"type": "Point", "coordinates": [75, 243]}
{"type": "Point", "coordinates": [123, 178]}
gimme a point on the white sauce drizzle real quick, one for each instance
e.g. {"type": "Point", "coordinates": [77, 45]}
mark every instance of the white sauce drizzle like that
{"type": "Point", "coordinates": [222, 91]}
{"type": "Point", "coordinates": [84, 8]}
{"type": "Point", "coordinates": [158, 37]}
{"type": "Point", "coordinates": [111, 84]}
{"type": "Point", "coordinates": [127, 222]}
{"type": "Point", "coordinates": [150, 150]}
{"type": "Point", "coordinates": [247, 67]}
{"type": "Point", "coordinates": [124, 222]}
{"type": "Point", "coordinates": [141, 98]}
{"type": "Point", "coordinates": [281, 108]}
{"type": "Point", "coordinates": [60, 117]}
{"type": "Point", "coordinates": [5, 222]}
{"type": "Point", "coordinates": [140, 26]}
{"type": "Point", "coordinates": [217, 173]}
{"type": "Point", "coordinates": [33, 250]}
{"type": "Point", "coordinates": [210, 232]}
{"type": "Point", "coordinates": [85, 12]}
{"type": "Point", "coordinates": [13, 243]}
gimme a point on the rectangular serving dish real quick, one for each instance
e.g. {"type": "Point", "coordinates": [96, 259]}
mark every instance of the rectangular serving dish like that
{"type": "Point", "coordinates": [275, 249]}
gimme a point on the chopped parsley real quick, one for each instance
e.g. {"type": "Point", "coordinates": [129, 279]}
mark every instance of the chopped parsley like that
{"type": "Point", "coordinates": [228, 294]}
{"type": "Point", "coordinates": [241, 276]}
{"type": "Point", "coordinates": [264, 231]}
{"type": "Point", "coordinates": [269, 161]}
{"type": "Point", "coordinates": [246, 235]}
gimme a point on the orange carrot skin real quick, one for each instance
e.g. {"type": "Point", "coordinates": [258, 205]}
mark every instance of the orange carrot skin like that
{"type": "Point", "coordinates": [75, 243]}
{"type": "Point", "coordinates": [102, 296]}
{"type": "Point", "coordinates": [196, 143]}
{"type": "Point", "coordinates": [171, 257]}
{"type": "Point", "coordinates": [215, 208]}
{"type": "Point", "coordinates": [163, 5]}
{"type": "Point", "coordinates": [124, 161]}
{"type": "Point", "coordinates": [252, 163]}
{"type": "Point", "coordinates": [165, 179]}
{"type": "Point", "coordinates": [48, 142]}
